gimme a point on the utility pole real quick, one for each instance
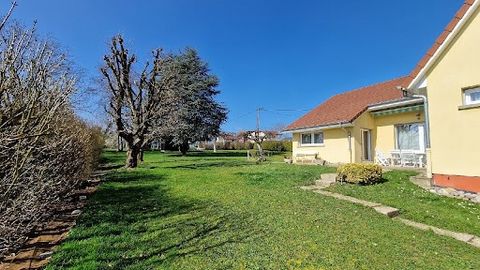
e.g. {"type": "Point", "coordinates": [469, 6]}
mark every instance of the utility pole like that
{"type": "Point", "coordinates": [258, 119]}
{"type": "Point", "coordinates": [257, 137]}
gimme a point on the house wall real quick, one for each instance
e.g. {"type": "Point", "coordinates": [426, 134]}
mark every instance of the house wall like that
{"type": "Point", "coordinates": [385, 126]}
{"type": "Point", "coordinates": [364, 121]}
{"type": "Point", "coordinates": [382, 131]}
{"type": "Point", "coordinates": [455, 133]}
{"type": "Point", "coordinates": [335, 148]}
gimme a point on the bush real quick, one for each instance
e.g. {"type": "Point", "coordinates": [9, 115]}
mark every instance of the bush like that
{"type": "Point", "coordinates": [279, 146]}
{"type": "Point", "coordinates": [356, 173]}
{"type": "Point", "coordinates": [46, 151]}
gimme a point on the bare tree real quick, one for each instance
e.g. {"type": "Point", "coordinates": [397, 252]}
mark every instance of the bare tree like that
{"type": "Point", "coordinates": [134, 101]}
{"type": "Point", "coordinates": [258, 137]}
{"type": "Point", "coordinates": [7, 16]}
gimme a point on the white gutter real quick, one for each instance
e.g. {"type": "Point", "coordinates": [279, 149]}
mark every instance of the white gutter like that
{"type": "Point", "coordinates": [317, 128]}
{"type": "Point", "coordinates": [427, 119]}
{"type": "Point", "coordinates": [444, 46]}
{"type": "Point", "coordinates": [394, 104]}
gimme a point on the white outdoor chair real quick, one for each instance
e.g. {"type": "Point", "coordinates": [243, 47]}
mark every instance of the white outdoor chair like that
{"type": "Point", "coordinates": [422, 160]}
{"type": "Point", "coordinates": [409, 159]}
{"type": "Point", "coordinates": [396, 159]}
{"type": "Point", "coordinates": [382, 159]}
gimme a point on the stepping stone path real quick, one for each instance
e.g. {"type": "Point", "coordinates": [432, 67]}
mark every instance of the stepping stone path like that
{"type": "Point", "coordinates": [329, 179]}
{"type": "Point", "coordinates": [464, 237]}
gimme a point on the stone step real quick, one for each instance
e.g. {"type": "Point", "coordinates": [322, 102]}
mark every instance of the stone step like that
{"type": "Point", "coordinates": [387, 211]}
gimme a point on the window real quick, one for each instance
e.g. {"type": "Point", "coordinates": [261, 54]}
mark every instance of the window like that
{"type": "Point", "coordinates": [472, 96]}
{"type": "Point", "coordinates": [410, 137]}
{"type": "Point", "coordinates": [318, 138]}
{"type": "Point", "coordinates": [315, 138]}
{"type": "Point", "coordinates": [307, 138]}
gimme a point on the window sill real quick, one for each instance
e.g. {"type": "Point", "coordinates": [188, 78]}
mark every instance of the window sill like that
{"type": "Point", "coordinates": [468, 107]}
{"type": "Point", "coordinates": [311, 145]}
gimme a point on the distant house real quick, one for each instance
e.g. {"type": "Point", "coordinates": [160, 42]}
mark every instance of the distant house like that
{"type": "Point", "coordinates": [429, 118]}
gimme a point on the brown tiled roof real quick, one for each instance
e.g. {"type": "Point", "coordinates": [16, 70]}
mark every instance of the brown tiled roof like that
{"type": "Point", "coordinates": [441, 39]}
{"type": "Point", "coordinates": [346, 107]}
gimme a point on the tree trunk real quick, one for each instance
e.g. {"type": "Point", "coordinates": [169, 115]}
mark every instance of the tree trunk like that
{"type": "Point", "coordinates": [140, 155]}
{"type": "Point", "coordinates": [261, 156]}
{"type": "Point", "coordinates": [184, 148]}
{"type": "Point", "coordinates": [132, 157]}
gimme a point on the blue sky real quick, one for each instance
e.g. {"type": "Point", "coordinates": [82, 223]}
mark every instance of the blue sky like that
{"type": "Point", "coordinates": [284, 56]}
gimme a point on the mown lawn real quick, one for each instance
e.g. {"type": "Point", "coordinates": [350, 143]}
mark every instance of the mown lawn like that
{"type": "Point", "coordinates": [418, 204]}
{"type": "Point", "coordinates": [218, 211]}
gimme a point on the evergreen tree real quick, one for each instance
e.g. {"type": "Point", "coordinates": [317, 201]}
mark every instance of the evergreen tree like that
{"type": "Point", "coordinates": [189, 110]}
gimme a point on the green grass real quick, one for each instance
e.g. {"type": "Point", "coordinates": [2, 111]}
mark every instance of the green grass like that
{"type": "Point", "coordinates": [218, 211]}
{"type": "Point", "coordinates": [418, 204]}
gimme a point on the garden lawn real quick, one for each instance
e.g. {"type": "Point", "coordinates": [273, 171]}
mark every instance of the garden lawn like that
{"type": "Point", "coordinates": [218, 211]}
{"type": "Point", "coordinates": [418, 204]}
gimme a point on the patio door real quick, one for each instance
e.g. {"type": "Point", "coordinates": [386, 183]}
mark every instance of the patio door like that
{"type": "Point", "coordinates": [366, 145]}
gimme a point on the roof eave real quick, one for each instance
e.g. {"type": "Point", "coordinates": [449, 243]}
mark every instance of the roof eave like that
{"type": "Point", "coordinates": [322, 127]}
{"type": "Point", "coordinates": [394, 104]}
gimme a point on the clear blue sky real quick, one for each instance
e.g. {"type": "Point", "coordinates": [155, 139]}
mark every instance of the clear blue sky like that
{"type": "Point", "coordinates": [279, 55]}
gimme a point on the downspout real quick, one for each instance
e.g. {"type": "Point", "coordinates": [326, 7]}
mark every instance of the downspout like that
{"type": "Point", "coordinates": [349, 137]}
{"type": "Point", "coordinates": [427, 136]}
{"type": "Point", "coordinates": [427, 119]}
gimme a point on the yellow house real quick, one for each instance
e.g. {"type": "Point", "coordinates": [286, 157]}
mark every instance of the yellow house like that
{"type": "Point", "coordinates": [362, 126]}
{"type": "Point", "coordinates": [430, 118]}
{"type": "Point", "coordinates": [449, 75]}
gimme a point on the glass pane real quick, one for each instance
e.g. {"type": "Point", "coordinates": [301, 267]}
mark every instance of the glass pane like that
{"type": "Point", "coordinates": [408, 137]}
{"type": "Point", "coordinates": [475, 96]}
{"type": "Point", "coordinates": [306, 138]}
{"type": "Point", "coordinates": [318, 138]}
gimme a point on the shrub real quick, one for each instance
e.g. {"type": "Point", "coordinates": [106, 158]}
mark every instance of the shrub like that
{"type": "Point", "coordinates": [242, 146]}
{"type": "Point", "coordinates": [279, 146]}
{"type": "Point", "coordinates": [46, 151]}
{"type": "Point", "coordinates": [356, 173]}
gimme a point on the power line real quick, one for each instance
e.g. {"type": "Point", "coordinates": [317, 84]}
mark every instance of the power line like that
{"type": "Point", "coordinates": [288, 110]}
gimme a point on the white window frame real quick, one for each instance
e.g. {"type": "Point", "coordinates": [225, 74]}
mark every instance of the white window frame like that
{"type": "Point", "coordinates": [467, 96]}
{"type": "Point", "coordinates": [312, 137]}
{"type": "Point", "coordinates": [421, 137]}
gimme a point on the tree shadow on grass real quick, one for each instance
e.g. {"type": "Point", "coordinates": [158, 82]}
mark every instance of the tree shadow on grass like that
{"type": "Point", "coordinates": [133, 177]}
{"type": "Point", "coordinates": [141, 225]}
{"type": "Point", "coordinates": [220, 154]}
{"type": "Point", "coordinates": [209, 165]}
{"type": "Point", "coordinates": [114, 157]}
